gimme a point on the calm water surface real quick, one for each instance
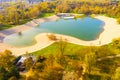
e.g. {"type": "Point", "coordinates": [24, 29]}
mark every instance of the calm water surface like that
{"type": "Point", "coordinates": [85, 29]}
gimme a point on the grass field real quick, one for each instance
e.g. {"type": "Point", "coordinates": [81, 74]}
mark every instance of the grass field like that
{"type": "Point", "coordinates": [70, 49]}
{"type": "Point", "coordinates": [46, 15]}
{"type": "Point", "coordinates": [3, 27]}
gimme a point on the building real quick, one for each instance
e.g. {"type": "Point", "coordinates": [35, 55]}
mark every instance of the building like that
{"type": "Point", "coordinates": [114, 2]}
{"type": "Point", "coordinates": [19, 62]}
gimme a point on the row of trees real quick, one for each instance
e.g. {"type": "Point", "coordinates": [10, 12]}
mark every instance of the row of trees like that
{"type": "Point", "coordinates": [17, 14]}
{"type": "Point", "coordinates": [59, 65]}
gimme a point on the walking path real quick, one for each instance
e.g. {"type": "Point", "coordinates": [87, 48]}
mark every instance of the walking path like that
{"type": "Point", "coordinates": [109, 57]}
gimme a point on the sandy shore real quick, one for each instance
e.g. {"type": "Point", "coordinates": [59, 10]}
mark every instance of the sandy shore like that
{"type": "Point", "coordinates": [42, 40]}
{"type": "Point", "coordinates": [111, 31]}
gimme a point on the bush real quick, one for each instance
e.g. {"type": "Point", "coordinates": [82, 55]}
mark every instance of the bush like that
{"type": "Point", "coordinates": [19, 33]}
{"type": "Point", "coordinates": [51, 37]}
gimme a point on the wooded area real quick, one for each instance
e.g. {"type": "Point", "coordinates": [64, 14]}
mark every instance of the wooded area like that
{"type": "Point", "coordinates": [21, 13]}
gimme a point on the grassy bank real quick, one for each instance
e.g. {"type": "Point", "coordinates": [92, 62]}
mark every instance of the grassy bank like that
{"type": "Point", "coordinates": [46, 15]}
{"type": "Point", "coordinates": [5, 26]}
{"type": "Point", "coordinates": [70, 49]}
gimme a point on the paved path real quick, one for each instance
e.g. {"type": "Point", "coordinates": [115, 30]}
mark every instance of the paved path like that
{"type": "Point", "coordinates": [108, 57]}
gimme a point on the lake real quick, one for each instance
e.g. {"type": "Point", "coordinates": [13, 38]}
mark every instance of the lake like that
{"type": "Point", "coordinates": [86, 28]}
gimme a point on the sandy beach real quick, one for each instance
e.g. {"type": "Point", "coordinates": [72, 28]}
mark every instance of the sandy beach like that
{"type": "Point", "coordinates": [111, 31]}
{"type": "Point", "coordinates": [42, 40]}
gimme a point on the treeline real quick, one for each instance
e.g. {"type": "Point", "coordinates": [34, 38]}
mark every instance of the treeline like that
{"type": "Point", "coordinates": [79, 63]}
{"type": "Point", "coordinates": [18, 14]}
{"type": "Point", "coordinates": [21, 13]}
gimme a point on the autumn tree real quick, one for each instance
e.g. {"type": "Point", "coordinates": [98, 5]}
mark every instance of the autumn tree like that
{"type": "Point", "coordinates": [28, 63]}
{"type": "Point", "coordinates": [117, 74]}
{"type": "Point", "coordinates": [1, 19]}
{"type": "Point", "coordinates": [44, 7]}
{"type": "Point", "coordinates": [61, 45]}
{"type": "Point", "coordinates": [118, 20]}
{"type": "Point", "coordinates": [13, 15]}
{"type": "Point", "coordinates": [32, 75]}
{"type": "Point", "coordinates": [34, 12]}
{"type": "Point", "coordinates": [90, 61]}
{"type": "Point", "coordinates": [6, 59]}
{"type": "Point", "coordinates": [7, 69]}
{"type": "Point", "coordinates": [76, 10]}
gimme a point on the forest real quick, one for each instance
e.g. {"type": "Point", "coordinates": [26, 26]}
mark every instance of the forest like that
{"type": "Point", "coordinates": [61, 60]}
{"type": "Point", "coordinates": [22, 13]}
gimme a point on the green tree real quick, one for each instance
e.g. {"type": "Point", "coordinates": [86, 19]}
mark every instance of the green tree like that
{"type": "Point", "coordinates": [13, 72]}
{"type": "Point", "coordinates": [3, 74]}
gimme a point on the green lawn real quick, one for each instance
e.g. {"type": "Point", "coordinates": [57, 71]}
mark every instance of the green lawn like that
{"type": "Point", "coordinates": [3, 27]}
{"type": "Point", "coordinates": [73, 49]}
{"type": "Point", "coordinates": [46, 15]}
{"type": "Point", "coordinates": [53, 49]}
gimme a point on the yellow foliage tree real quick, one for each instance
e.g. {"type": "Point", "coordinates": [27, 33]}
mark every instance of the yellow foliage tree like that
{"type": "Point", "coordinates": [118, 20]}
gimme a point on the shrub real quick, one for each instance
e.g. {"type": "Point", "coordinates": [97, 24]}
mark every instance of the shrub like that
{"type": "Point", "coordinates": [51, 37]}
{"type": "Point", "coordinates": [19, 33]}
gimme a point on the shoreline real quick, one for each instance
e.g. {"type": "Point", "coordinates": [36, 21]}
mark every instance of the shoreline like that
{"type": "Point", "coordinates": [111, 31]}
{"type": "Point", "coordinates": [19, 51]}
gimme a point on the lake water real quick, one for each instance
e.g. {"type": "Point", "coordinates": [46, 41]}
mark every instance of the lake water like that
{"type": "Point", "coordinates": [82, 28]}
